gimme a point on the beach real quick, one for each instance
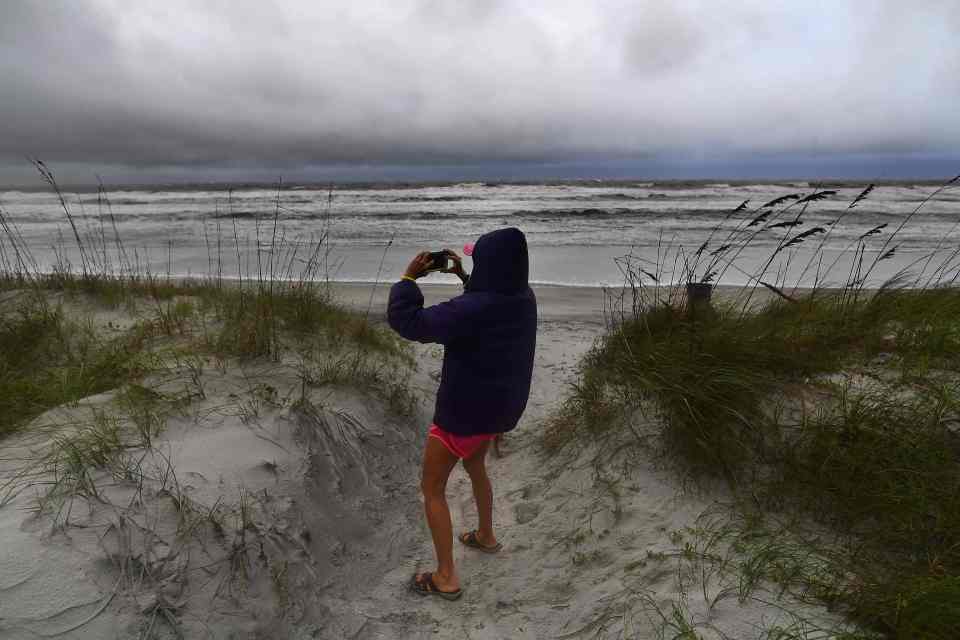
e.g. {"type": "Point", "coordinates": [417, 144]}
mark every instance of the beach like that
{"type": "Point", "coordinates": [554, 303]}
{"type": "Point", "coordinates": [325, 489]}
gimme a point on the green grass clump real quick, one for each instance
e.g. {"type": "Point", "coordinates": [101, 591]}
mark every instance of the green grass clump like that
{"type": "Point", "coordinates": [754, 398]}
{"type": "Point", "coordinates": [931, 610]}
{"type": "Point", "coordinates": [257, 323]}
{"type": "Point", "coordinates": [882, 470]}
{"type": "Point", "coordinates": [47, 360]}
{"type": "Point", "coordinates": [712, 374]}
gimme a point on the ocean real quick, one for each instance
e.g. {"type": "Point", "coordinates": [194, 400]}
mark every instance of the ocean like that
{"type": "Point", "coordinates": [578, 233]}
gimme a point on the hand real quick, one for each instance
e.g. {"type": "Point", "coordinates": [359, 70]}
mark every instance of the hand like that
{"type": "Point", "coordinates": [456, 266]}
{"type": "Point", "coordinates": [419, 265]}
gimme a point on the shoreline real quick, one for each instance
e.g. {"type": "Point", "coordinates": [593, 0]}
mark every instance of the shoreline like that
{"type": "Point", "coordinates": [555, 303]}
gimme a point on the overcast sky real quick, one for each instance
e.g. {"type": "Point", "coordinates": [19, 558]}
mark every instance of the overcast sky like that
{"type": "Point", "coordinates": [235, 89]}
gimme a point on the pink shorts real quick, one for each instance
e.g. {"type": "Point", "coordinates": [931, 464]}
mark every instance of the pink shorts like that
{"type": "Point", "coordinates": [460, 446]}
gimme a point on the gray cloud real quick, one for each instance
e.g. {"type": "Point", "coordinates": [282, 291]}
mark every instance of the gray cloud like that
{"type": "Point", "coordinates": [143, 84]}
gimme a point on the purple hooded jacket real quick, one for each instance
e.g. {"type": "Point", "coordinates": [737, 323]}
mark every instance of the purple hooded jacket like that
{"type": "Point", "coordinates": [489, 335]}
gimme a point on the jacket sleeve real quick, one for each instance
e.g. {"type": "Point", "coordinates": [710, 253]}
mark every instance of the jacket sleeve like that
{"type": "Point", "coordinates": [440, 323]}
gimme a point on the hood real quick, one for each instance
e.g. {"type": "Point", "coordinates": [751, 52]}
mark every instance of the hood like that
{"type": "Point", "coordinates": [500, 262]}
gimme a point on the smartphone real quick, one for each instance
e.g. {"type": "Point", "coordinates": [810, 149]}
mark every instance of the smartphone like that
{"type": "Point", "coordinates": [438, 260]}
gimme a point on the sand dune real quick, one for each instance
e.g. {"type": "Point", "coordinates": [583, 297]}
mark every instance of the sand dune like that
{"type": "Point", "coordinates": [263, 511]}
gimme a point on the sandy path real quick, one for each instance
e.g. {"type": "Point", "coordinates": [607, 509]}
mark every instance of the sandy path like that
{"type": "Point", "coordinates": [577, 562]}
{"type": "Point", "coordinates": [509, 595]}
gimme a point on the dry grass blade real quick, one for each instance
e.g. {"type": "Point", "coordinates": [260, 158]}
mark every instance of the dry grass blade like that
{"type": "Point", "coordinates": [818, 195]}
{"type": "Point", "coordinates": [47, 175]}
{"type": "Point", "coordinates": [786, 224]}
{"type": "Point", "coordinates": [889, 253]}
{"type": "Point", "coordinates": [781, 200]}
{"type": "Point", "coordinates": [874, 231]}
{"type": "Point", "coordinates": [800, 237]}
{"type": "Point", "coordinates": [760, 219]}
{"type": "Point", "coordinates": [862, 195]}
{"type": "Point", "coordinates": [778, 291]}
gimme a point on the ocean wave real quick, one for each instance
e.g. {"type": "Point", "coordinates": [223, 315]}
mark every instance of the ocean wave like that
{"type": "Point", "coordinates": [600, 197]}
{"type": "Point", "coordinates": [688, 184]}
{"type": "Point", "coordinates": [127, 201]}
{"type": "Point", "coordinates": [624, 212]}
{"type": "Point", "coordinates": [580, 213]}
{"type": "Point", "coordinates": [165, 199]}
{"type": "Point", "coordinates": [433, 198]}
{"type": "Point", "coordinates": [246, 214]}
{"type": "Point", "coordinates": [392, 216]}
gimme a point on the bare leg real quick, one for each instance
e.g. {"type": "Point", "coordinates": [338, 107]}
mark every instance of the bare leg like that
{"type": "Point", "coordinates": [482, 493]}
{"type": "Point", "coordinates": [438, 462]}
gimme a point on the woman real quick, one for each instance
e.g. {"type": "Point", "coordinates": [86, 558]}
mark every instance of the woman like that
{"type": "Point", "coordinates": [489, 336]}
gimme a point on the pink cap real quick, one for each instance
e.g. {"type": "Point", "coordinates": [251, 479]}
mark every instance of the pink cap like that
{"type": "Point", "coordinates": [468, 249]}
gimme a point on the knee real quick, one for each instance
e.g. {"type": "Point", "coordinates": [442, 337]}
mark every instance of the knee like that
{"type": "Point", "coordinates": [432, 486]}
{"type": "Point", "coordinates": [477, 472]}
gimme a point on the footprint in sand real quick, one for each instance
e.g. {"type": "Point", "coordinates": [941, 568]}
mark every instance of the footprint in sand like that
{"type": "Point", "coordinates": [526, 512]}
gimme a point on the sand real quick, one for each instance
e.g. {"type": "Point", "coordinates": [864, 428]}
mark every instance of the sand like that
{"type": "Point", "coordinates": [258, 516]}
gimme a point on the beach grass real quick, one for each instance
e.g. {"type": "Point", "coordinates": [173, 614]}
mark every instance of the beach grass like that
{"type": "Point", "coordinates": [284, 309]}
{"type": "Point", "coordinates": [47, 359]}
{"type": "Point", "coordinates": [837, 409]}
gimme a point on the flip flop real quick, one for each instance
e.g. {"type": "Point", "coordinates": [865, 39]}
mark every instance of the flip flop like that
{"type": "Point", "coordinates": [470, 539]}
{"type": "Point", "coordinates": [426, 587]}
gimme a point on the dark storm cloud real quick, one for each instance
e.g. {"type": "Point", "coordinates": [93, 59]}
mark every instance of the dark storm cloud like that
{"type": "Point", "coordinates": [293, 84]}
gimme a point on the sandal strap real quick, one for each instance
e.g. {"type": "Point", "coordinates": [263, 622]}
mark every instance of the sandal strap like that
{"type": "Point", "coordinates": [472, 538]}
{"type": "Point", "coordinates": [426, 582]}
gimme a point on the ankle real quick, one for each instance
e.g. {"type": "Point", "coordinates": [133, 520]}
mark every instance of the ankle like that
{"type": "Point", "coordinates": [446, 575]}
